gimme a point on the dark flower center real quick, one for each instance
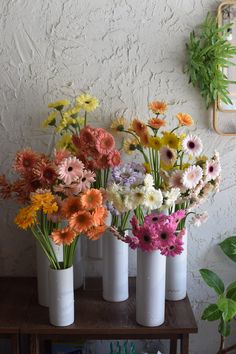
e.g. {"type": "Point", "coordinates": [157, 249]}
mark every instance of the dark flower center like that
{"type": "Point", "coordinates": [132, 147]}
{"type": "Point", "coordinates": [83, 179]}
{"type": "Point", "coordinates": [155, 218]}
{"type": "Point", "coordinates": [169, 154]}
{"type": "Point", "coordinates": [48, 174]}
{"type": "Point", "coordinates": [26, 163]}
{"type": "Point", "coordinates": [70, 169]}
{"type": "Point", "coordinates": [211, 169]}
{"type": "Point", "coordinates": [87, 102]}
{"type": "Point", "coordinates": [163, 236]}
{"type": "Point", "coordinates": [120, 128]}
{"type": "Point", "coordinates": [191, 145]}
{"type": "Point", "coordinates": [172, 248]}
{"type": "Point", "coordinates": [146, 238]}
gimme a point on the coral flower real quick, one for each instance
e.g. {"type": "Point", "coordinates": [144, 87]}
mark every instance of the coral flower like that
{"type": "Point", "coordinates": [114, 158]}
{"type": "Point", "coordinates": [45, 172]}
{"type": "Point", "coordinates": [105, 143]}
{"type": "Point", "coordinates": [96, 232]}
{"type": "Point", "coordinates": [156, 123]}
{"type": "Point", "coordinates": [60, 155]}
{"type": "Point", "coordinates": [86, 137]}
{"type": "Point", "coordinates": [70, 206]}
{"type": "Point", "coordinates": [138, 126]}
{"type": "Point", "coordinates": [63, 236]}
{"type": "Point", "coordinates": [70, 169]}
{"type": "Point", "coordinates": [99, 215]}
{"type": "Point", "coordinates": [81, 221]}
{"type": "Point", "coordinates": [184, 119]}
{"type": "Point", "coordinates": [118, 124]}
{"type": "Point", "coordinates": [25, 160]}
{"type": "Point", "coordinates": [158, 107]}
{"type": "Point", "coordinates": [91, 199]}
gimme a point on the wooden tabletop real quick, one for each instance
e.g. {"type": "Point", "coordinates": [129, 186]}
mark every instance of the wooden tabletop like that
{"type": "Point", "coordinates": [94, 317]}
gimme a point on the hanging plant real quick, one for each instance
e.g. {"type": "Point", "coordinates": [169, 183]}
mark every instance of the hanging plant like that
{"type": "Point", "coordinates": [208, 52]}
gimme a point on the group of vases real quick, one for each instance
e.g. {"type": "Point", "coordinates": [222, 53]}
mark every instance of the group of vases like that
{"type": "Point", "coordinates": [159, 278]}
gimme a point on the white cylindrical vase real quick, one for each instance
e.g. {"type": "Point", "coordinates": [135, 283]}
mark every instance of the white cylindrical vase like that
{"type": "Point", "coordinates": [42, 276]}
{"type": "Point", "coordinates": [94, 249]}
{"type": "Point", "coordinates": [115, 269]}
{"type": "Point", "coordinates": [78, 265]}
{"type": "Point", "coordinates": [176, 274]}
{"type": "Point", "coordinates": [61, 297]}
{"type": "Point", "coordinates": [150, 288]}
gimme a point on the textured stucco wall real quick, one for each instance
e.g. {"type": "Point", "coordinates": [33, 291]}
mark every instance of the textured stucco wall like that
{"type": "Point", "coordinates": [126, 52]}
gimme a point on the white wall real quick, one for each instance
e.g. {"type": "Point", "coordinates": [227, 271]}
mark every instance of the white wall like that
{"type": "Point", "coordinates": [127, 53]}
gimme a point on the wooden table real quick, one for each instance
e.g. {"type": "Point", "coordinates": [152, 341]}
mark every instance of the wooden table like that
{"type": "Point", "coordinates": [99, 319]}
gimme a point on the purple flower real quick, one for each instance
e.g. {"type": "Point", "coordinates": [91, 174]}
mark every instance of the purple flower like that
{"type": "Point", "coordinates": [129, 174]}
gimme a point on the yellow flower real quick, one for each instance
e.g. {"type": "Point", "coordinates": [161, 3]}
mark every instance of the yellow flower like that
{"type": "Point", "coordinates": [118, 124]}
{"type": "Point", "coordinates": [50, 120]}
{"type": "Point", "coordinates": [171, 140]}
{"type": "Point", "coordinates": [59, 105]}
{"type": "Point", "coordinates": [46, 201]}
{"type": "Point", "coordinates": [26, 217]}
{"type": "Point", "coordinates": [165, 167]}
{"type": "Point", "coordinates": [79, 120]}
{"type": "Point", "coordinates": [202, 158]}
{"type": "Point", "coordinates": [65, 143]}
{"type": "Point", "coordinates": [147, 167]}
{"type": "Point", "coordinates": [87, 102]}
{"type": "Point", "coordinates": [73, 112]}
{"type": "Point", "coordinates": [130, 145]}
{"type": "Point", "coordinates": [154, 142]}
{"type": "Point", "coordinates": [185, 165]}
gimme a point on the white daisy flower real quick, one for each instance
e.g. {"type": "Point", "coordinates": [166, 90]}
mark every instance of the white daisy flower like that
{"type": "Point", "coordinates": [153, 199]}
{"type": "Point", "coordinates": [148, 181]}
{"type": "Point", "coordinates": [192, 145]}
{"type": "Point", "coordinates": [192, 176]}
{"type": "Point", "coordinates": [137, 196]}
{"type": "Point", "coordinates": [213, 170]}
{"type": "Point", "coordinates": [171, 196]}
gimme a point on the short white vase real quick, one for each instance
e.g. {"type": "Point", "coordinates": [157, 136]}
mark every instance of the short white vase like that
{"type": "Point", "coordinates": [115, 268]}
{"type": "Point", "coordinates": [61, 297]}
{"type": "Point", "coordinates": [176, 274]}
{"type": "Point", "coordinates": [150, 288]}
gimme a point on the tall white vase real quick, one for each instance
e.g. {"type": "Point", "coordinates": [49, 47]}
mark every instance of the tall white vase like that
{"type": "Point", "coordinates": [176, 274]}
{"type": "Point", "coordinates": [94, 249]}
{"type": "Point", "coordinates": [150, 288]}
{"type": "Point", "coordinates": [78, 265]}
{"type": "Point", "coordinates": [42, 271]}
{"type": "Point", "coordinates": [115, 268]}
{"type": "Point", "coordinates": [61, 297]}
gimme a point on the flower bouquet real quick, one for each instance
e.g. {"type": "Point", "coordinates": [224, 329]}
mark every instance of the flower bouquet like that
{"type": "Point", "coordinates": [60, 205]}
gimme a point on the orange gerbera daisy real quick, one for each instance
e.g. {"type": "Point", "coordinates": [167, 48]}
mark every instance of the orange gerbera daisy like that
{"type": "Point", "coordinates": [138, 126]}
{"type": "Point", "coordinates": [91, 199]}
{"type": "Point", "coordinates": [156, 123]}
{"type": "Point", "coordinates": [158, 107]}
{"type": "Point", "coordinates": [81, 221]}
{"type": "Point", "coordinates": [99, 215]}
{"type": "Point", "coordinates": [96, 232]}
{"type": "Point", "coordinates": [70, 206]}
{"type": "Point", "coordinates": [144, 138]}
{"type": "Point", "coordinates": [63, 236]}
{"type": "Point", "coordinates": [184, 119]}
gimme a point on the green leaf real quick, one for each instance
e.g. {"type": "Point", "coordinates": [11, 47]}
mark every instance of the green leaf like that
{"type": "Point", "coordinates": [228, 246]}
{"type": "Point", "coordinates": [231, 291]}
{"type": "Point", "coordinates": [227, 307]}
{"type": "Point", "coordinates": [211, 313]}
{"type": "Point", "coordinates": [224, 328]}
{"type": "Point", "coordinates": [212, 280]}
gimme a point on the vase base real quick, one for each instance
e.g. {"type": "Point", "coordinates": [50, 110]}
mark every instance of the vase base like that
{"type": "Point", "coordinates": [115, 299]}
{"type": "Point", "coordinates": [150, 324]}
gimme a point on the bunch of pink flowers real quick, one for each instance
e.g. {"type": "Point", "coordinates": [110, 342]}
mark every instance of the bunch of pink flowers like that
{"type": "Point", "coordinates": [96, 148]}
{"type": "Point", "coordinates": [158, 232]}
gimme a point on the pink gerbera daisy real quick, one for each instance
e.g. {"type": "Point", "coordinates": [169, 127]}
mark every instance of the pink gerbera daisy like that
{"type": "Point", "coordinates": [174, 248]}
{"type": "Point", "coordinates": [192, 145]}
{"type": "Point", "coordinates": [60, 155]}
{"type": "Point", "coordinates": [148, 240]}
{"type": "Point", "coordinates": [132, 241]}
{"type": "Point", "coordinates": [105, 143]}
{"type": "Point", "coordinates": [155, 218]}
{"type": "Point", "coordinates": [70, 169]}
{"type": "Point", "coordinates": [212, 170]}
{"type": "Point", "coordinates": [192, 176]}
{"type": "Point", "coordinates": [177, 216]}
{"type": "Point", "coordinates": [86, 179]}
{"type": "Point", "coordinates": [135, 225]}
{"type": "Point", "coordinates": [165, 233]}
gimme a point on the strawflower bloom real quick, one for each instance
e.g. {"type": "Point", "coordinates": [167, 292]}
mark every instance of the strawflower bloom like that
{"type": "Point", "coordinates": [184, 119]}
{"type": "Point", "coordinates": [63, 236]}
{"type": "Point", "coordinates": [158, 107]}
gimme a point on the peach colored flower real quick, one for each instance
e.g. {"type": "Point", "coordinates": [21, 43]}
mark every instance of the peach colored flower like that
{"type": "Point", "coordinates": [63, 236]}
{"type": "Point", "coordinates": [105, 143]}
{"type": "Point", "coordinates": [114, 158]}
{"type": "Point", "coordinates": [91, 199]}
{"type": "Point", "coordinates": [96, 232]}
{"type": "Point", "coordinates": [156, 123]}
{"type": "Point", "coordinates": [138, 127]}
{"type": "Point", "coordinates": [81, 221]}
{"type": "Point", "coordinates": [99, 215]}
{"type": "Point", "coordinates": [185, 119]}
{"type": "Point", "coordinates": [158, 107]}
{"type": "Point", "coordinates": [70, 206]}
{"type": "Point", "coordinates": [25, 160]}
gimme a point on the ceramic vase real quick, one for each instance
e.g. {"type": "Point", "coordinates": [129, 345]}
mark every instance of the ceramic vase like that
{"type": "Point", "coordinates": [176, 274]}
{"type": "Point", "coordinates": [150, 288]}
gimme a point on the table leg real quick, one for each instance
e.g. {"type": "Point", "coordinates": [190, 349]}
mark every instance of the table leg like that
{"type": "Point", "coordinates": [173, 346]}
{"type": "Point", "coordinates": [34, 344]}
{"type": "Point", "coordinates": [15, 344]}
{"type": "Point", "coordinates": [184, 344]}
